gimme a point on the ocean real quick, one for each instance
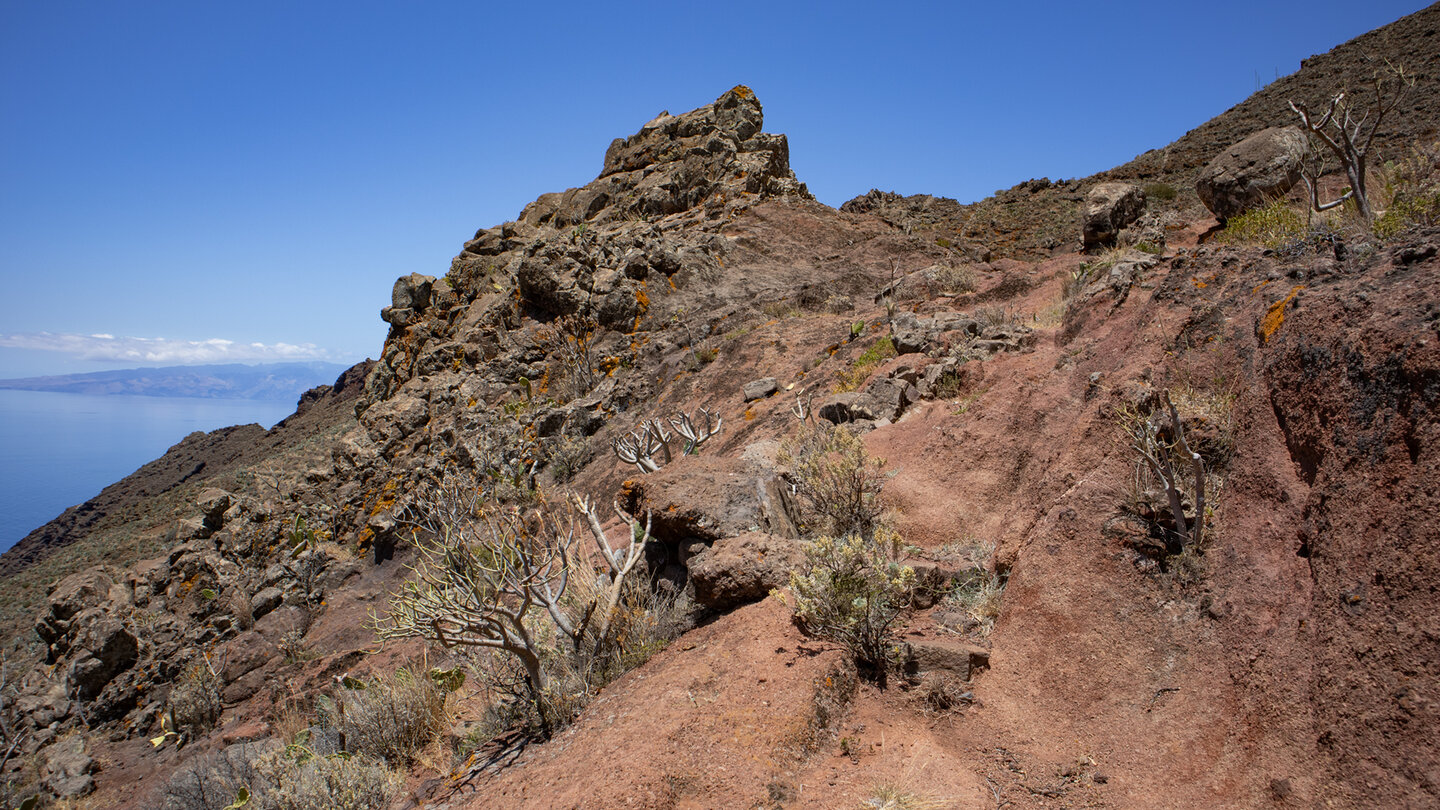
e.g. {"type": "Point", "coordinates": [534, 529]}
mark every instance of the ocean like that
{"type": "Point", "coordinates": [59, 450]}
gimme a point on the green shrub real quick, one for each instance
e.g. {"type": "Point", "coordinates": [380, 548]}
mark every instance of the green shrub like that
{"type": "Point", "coordinates": [851, 591]}
{"type": "Point", "coordinates": [1272, 225]}
{"type": "Point", "coordinates": [1409, 209]}
{"type": "Point", "coordinates": [1159, 191]}
{"type": "Point", "coordinates": [859, 371]}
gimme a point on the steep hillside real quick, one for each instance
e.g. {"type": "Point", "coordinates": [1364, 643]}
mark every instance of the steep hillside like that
{"type": "Point", "coordinates": [1039, 218]}
{"type": "Point", "coordinates": [1065, 641]}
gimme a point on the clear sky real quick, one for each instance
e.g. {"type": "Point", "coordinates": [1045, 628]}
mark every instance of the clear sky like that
{"type": "Point", "coordinates": [217, 181]}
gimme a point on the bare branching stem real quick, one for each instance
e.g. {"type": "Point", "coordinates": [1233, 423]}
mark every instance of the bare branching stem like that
{"type": "Point", "coordinates": [1348, 131]}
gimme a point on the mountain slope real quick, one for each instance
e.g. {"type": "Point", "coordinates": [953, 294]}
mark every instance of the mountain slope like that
{"type": "Point", "coordinates": [1288, 660]}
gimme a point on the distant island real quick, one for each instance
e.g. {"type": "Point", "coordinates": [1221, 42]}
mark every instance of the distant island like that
{"type": "Point", "coordinates": [272, 381]}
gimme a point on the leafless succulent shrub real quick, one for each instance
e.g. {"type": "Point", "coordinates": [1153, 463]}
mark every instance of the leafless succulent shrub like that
{"type": "Point", "coordinates": [1346, 130]}
{"type": "Point", "coordinates": [838, 481]}
{"type": "Point", "coordinates": [653, 438]}
{"type": "Point", "coordinates": [390, 718]}
{"type": "Point", "coordinates": [500, 579]}
{"type": "Point", "coordinates": [1158, 440]}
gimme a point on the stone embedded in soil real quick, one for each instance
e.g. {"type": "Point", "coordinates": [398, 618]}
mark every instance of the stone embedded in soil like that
{"type": "Point", "coordinates": [961, 658]}
{"type": "Point", "coordinates": [759, 389]}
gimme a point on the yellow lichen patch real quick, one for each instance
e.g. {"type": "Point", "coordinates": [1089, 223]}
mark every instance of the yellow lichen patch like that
{"type": "Point", "coordinates": [1275, 315]}
{"type": "Point", "coordinates": [609, 364]}
{"type": "Point", "coordinates": [742, 91]}
{"type": "Point", "coordinates": [749, 414]}
{"type": "Point", "coordinates": [642, 298]}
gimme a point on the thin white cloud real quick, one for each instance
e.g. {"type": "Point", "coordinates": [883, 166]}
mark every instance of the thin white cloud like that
{"type": "Point", "coordinates": [162, 351]}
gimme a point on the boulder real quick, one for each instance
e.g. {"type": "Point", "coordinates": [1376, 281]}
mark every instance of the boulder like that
{"type": "Point", "coordinates": [266, 600]}
{"type": "Point", "coordinates": [66, 768]}
{"type": "Point", "coordinates": [759, 389]}
{"type": "Point", "coordinates": [213, 504]}
{"type": "Point", "coordinates": [105, 648]}
{"type": "Point", "coordinates": [412, 292]}
{"type": "Point", "coordinates": [68, 598]}
{"type": "Point", "coordinates": [908, 335]}
{"type": "Point", "coordinates": [1253, 172]}
{"type": "Point", "coordinates": [704, 497]}
{"type": "Point", "coordinates": [930, 655]}
{"type": "Point", "coordinates": [45, 706]}
{"type": "Point", "coordinates": [738, 570]}
{"type": "Point", "coordinates": [1108, 208]}
{"type": "Point", "coordinates": [850, 407]}
{"type": "Point", "coordinates": [893, 394]}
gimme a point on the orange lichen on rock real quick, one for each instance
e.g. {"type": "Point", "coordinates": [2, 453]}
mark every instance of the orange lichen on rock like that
{"type": "Point", "coordinates": [1275, 315]}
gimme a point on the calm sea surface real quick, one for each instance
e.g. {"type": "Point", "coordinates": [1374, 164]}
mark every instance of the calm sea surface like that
{"type": "Point", "coordinates": [58, 450]}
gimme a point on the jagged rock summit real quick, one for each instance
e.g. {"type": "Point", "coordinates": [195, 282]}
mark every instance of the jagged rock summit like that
{"type": "Point", "coordinates": [674, 163]}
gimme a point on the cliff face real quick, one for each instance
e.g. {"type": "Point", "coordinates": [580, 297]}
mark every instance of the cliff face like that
{"type": "Point", "coordinates": [1288, 660]}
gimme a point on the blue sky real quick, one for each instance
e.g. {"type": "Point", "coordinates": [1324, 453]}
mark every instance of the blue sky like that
{"type": "Point", "coordinates": [208, 182]}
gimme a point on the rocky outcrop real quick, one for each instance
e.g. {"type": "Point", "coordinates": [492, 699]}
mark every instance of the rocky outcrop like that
{"type": "Point", "coordinates": [1261, 168]}
{"type": "Point", "coordinates": [1109, 207]}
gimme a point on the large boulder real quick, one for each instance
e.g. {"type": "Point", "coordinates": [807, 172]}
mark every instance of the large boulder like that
{"type": "Point", "coordinates": [1108, 208]}
{"type": "Point", "coordinates": [739, 570]}
{"type": "Point", "coordinates": [1253, 172]}
{"type": "Point", "coordinates": [68, 598]}
{"type": "Point", "coordinates": [66, 768]}
{"type": "Point", "coordinates": [409, 297]}
{"type": "Point", "coordinates": [105, 648]}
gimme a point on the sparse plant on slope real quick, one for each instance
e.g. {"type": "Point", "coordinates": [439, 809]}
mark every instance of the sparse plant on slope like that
{"type": "Point", "coordinates": [1347, 129]}
{"type": "Point", "coordinates": [1158, 439]}
{"type": "Point", "coordinates": [1273, 225]}
{"type": "Point", "coordinates": [388, 719]}
{"type": "Point", "coordinates": [11, 737]}
{"type": "Point", "coordinates": [1412, 186]}
{"type": "Point", "coordinates": [838, 481]}
{"type": "Point", "coordinates": [570, 343]}
{"type": "Point", "coordinates": [297, 780]}
{"type": "Point", "coordinates": [498, 578]}
{"type": "Point", "coordinates": [851, 590]}
{"type": "Point", "coordinates": [194, 705]}
{"type": "Point", "coordinates": [640, 447]}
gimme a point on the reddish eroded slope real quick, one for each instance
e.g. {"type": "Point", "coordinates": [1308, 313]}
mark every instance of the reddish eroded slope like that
{"type": "Point", "coordinates": [721, 717]}
{"type": "Point", "coordinates": [1293, 664]}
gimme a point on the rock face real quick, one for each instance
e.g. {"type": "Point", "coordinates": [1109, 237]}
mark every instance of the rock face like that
{"type": "Point", "coordinates": [676, 162]}
{"type": "Point", "coordinates": [1108, 208]}
{"type": "Point", "coordinates": [1253, 172]}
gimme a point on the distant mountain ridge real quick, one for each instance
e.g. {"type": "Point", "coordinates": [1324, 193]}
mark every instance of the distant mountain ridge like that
{"type": "Point", "coordinates": [269, 381]}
